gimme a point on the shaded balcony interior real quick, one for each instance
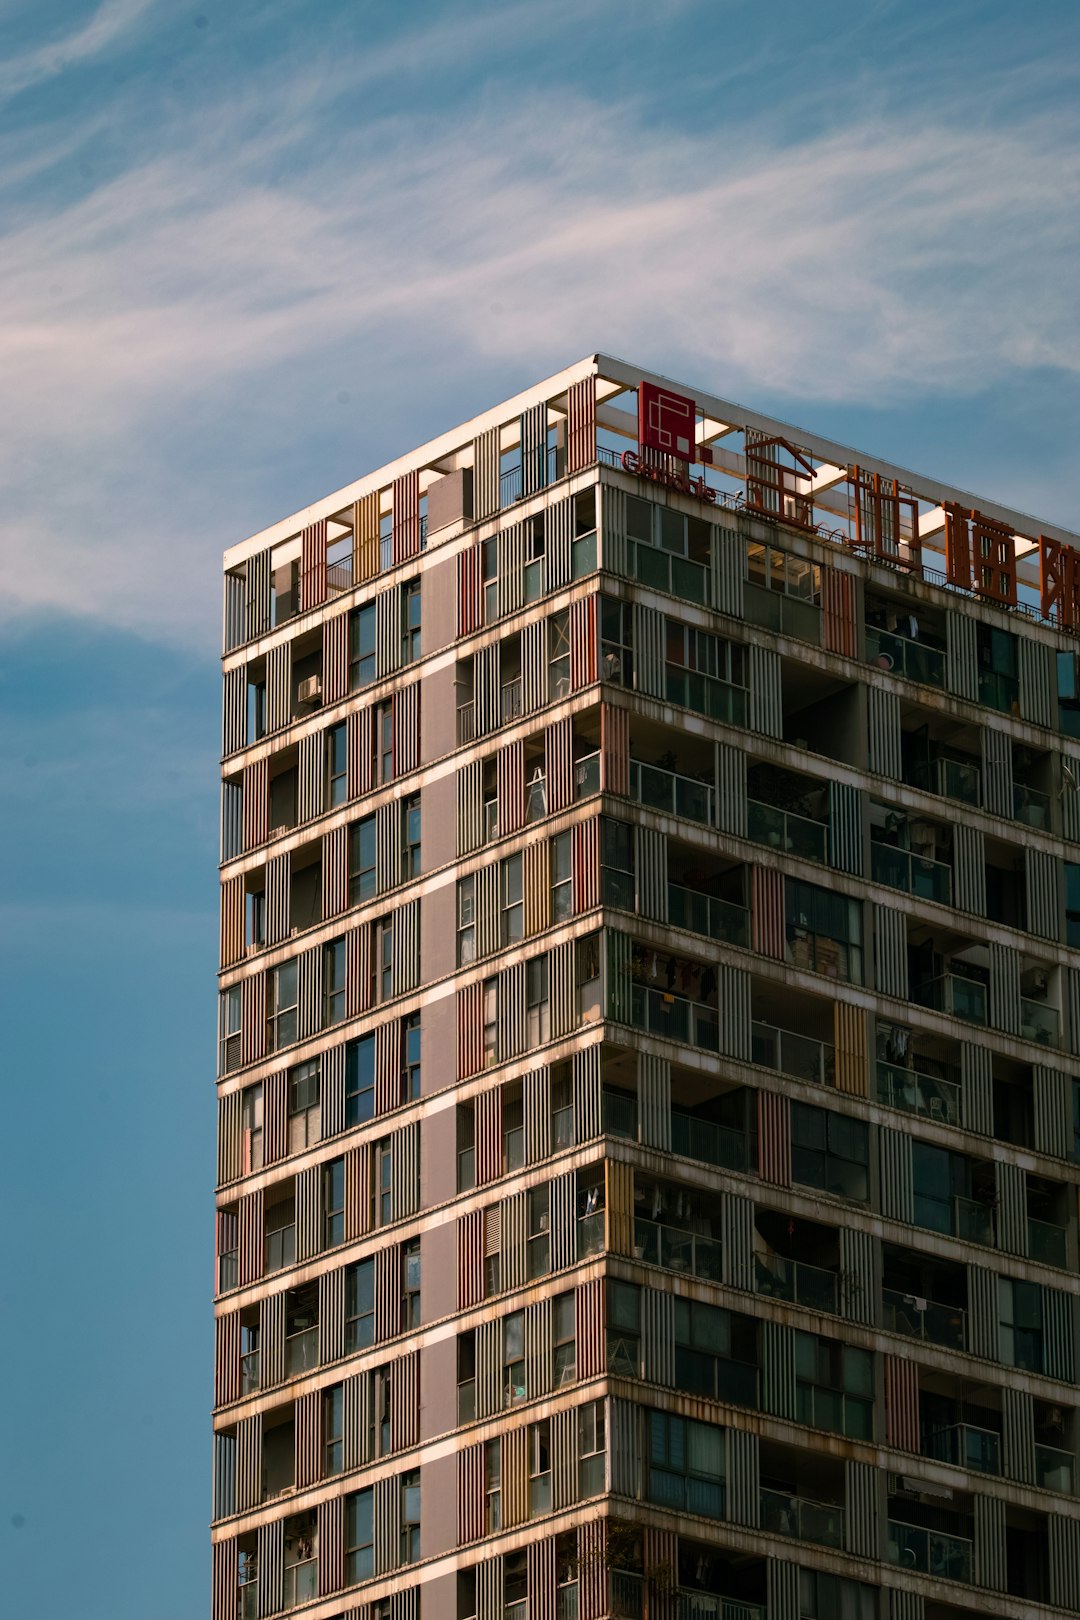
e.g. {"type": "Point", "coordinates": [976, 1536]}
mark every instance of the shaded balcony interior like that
{"type": "Point", "coordinates": [797, 1260]}
{"type": "Point", "coordinates": [674, 996]}
{"type": "Point", "coordinates": [279, 1225]}
{"type": "Point", "coordinates": [940, 754]}
{"type": "Point", "coordinates": [919, 1071]}
{"type": "Point", "coordinates": [792, 1032]}
{"type": "Point", "coordinates": [305, 885]}
{"type": "Point", "coordinates": [719, 1584]}
{"type": "Point", "coordinates": [802, 1494]}
{"type": "Point", "coordinates": [911, 852]}
{"type": "Point", "coordinates": [822, 713]}
{"type": "Point", "coordinates": [1050, 1206]}
{"type": "Point", "coordinates": [301, 1329]}
{"type": "Point", "coordinates": [906, 639]}
{"type": "Point", "coordinates": [948, 971]}
{"type": "Point", "coordinates": [1006, 888]}
{"type": "Point", "coordinates": [713, 1119]}
{"type": "Point", "coordinates": [300, 1559]}
{"type": "Point", "coordinates": [924, 1297]}
{"type": "Point", "coordinates": [677, 1227]}
{"type": "Point", "coordinates": [278, 1452]}
{"type": "Point", "coordinates": [930, 1529]}
{"type": "Point", "coordinates": [782, 592]}
{"type": "Point", "coordinates": [282, 790]}
{"type": "Point", "coordinates": [788, 811]}
{"type": "Point", "coordinates": [960, 1421]}
{"type": "Point", "coordinates": [1014, 1108]}
{"type": "Point", "coordinates": [708, 894]}
{"type": "Point", "coordinates": [671, 771]}
{"type": "Point", "coordinates": [1034, 776]}
{"type": "Point", "coordinates": [954, 1193]}
{"type": "Point", "coordinates": [1056, 1431]}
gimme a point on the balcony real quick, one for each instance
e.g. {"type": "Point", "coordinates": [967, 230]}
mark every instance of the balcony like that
{"type": "Point", "coordinates": [1054, 1469]}
{"type": "Point", "coordinates": [790, 615]}
{"type": "Point", "coordinates": [930, 1551]}
{"type": "Point", "coordinates": [510, 702]}
{"type": "Point", "coordinates": [583, 555]}
{"type": "Point", "coordinates": [676, 795]}
{"type": "Point", "coordinates": [280, 1248]}
{"type": "Point", "coordinates": [249, 1372]}
{"type": "Point", "coordinates": [705, 694]}
{"type": "Point", "coordinates": [913, 659]}
{"type": "Point", "coordinates": [918, 1093]}
{"type": "Point", "coordinates": [913, 874]}
{"type": "Point", "coordinates": [247, 1600]}
{"type": "Point", "coordinates": [302, 1351]}
{"type": "Point", "coordinates": [626, 1595]}
{"type": "Point", "coordinates": [795, 1516]}
{"type": "Point", "coordinates": [466, 723]}
{"type": "Point", "coordinates": [657, 1012]}
{"type": "Point", "coordinates": [228, 1271]}
{"type": "Point", "coordinates": [784, 830]}
{"type": "Point", "coordinates": [702, 914]}
{"type": "Point", "coordinates": [566, 1603]}
{"type": "Point", "coordinates": [919, 1318]}
{"type": "Point", "coordinates": [676, 1250]}
{"type": "Point", "coordinates": [662, 571]}
{"type": "Point", "coordinates": [797, 1282]}
{"type": "Point", "coordinates": [999, 691]}
{"type": "Point", "coordinates": [949, 778]}
{"type": "Point", "coordinates": [704, 1606]}
{"type": "Point", "coordinates": [1031, 807]}
{"type": "Point", "coordinates": [972, 1221]}
{"type": "Point", "coordinates": [709, 1143]}
{"type": "Point", "coordinates": [1047, 1243]}
{"type": "Point", "coordinates": [586, 776]}
{"type": "Point", "coordinates": [951, 993]}
{"type": "Point", "coordinates": [1039, 1023]}
{"type": "Point", "coordinates": [301, 1582]}
{"type": "Point", "coordinates": [796, 1055]}
{"type": "Point", "coordinates": [968, 1447]}
{"type": "Point", "coordinates": [590, 1235]}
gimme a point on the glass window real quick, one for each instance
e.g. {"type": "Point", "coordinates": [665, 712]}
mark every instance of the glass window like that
{"type": "Point", "coordinates": [410, 1058]}
{"type": "Point", "coordinates": [359, 1305]}
{"type": "Point", "coordinates": [616, 642]}
{"type": "Point", "coordinates": [539, 1456]}
{"type": "Point", "coordinates": [824, 931]}
{"type": "Point", "coordinates": [229, 1030]}
{"type": "Point", "coordinates": [562, 878]}
{"type": "Point", "coordinates": [564, 1333]}
{"type": "Point", "coordinates": [251, 1125]}
{"type": "Point", "coordinates": [334, 982]}
{"type": "Point", "coordinates": [558, 655]}
{"type": "Point", "coordinates": [382, 742]}
{"type": "Point", "coordinates": [617, 863]}
{"type": "Point", "coordinates": [410, 1277]}
{"type": "Point", "coordinates": [382, 960]}
{"type": "Point", "coordinates": [831, 1597]}
{"type": "Point", "coordinates": [591, 1448]}
{"type": "Point", "coordinates": [361, 860]}
{"type": "Point", "coordinates": [361, 647]}
{"type": "Point", "coordinates": [410, 1516]}
{"type": "Point", "coordinates": [624, 1329]}
{"type": "Point", "coordinates": [1020, 1315]}
{"type": "Point", "coordinates": [410, 837]}
{"type": "Point", "coordinates": [281, 1006]}
{"type": "Point", "coordinates": [513, 900]}
{"type": "Point", "coordinates": [304, 1124]}
{"type": "Point", "coordinates": [493, 1485]}
{"type": "Point", "coordinates": [466, 920]}
{"type": "Point", "coordinates": [410, 621]}
{"type": "Point", "coordinates": [514, 1390]}
{"type": "Point", "coordinates": [333, 1194]}
{"type": "Point", "coordinates": [830, 1151]}
{"type": "Point", "coordinates": [337, 765]}
{"type": "Point", "coordinates": [466, 1146]}
{"type": "Point", "coordinates": [686, 1464]}
{"type": "Point", "coordinates": [359, 1537]}
{"type": "Point", "coordinates": [537, 1006]}
{"type": "Point", "coordinates": [333, 1428]}
{"type": "Point", "coordinates": [360, 1080]}
{"type": "Point", "coordinates": [834, 1386]}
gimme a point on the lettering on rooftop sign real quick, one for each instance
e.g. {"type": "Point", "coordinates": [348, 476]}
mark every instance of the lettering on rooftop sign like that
{"type": "Point", "coordinates": [666, 421]}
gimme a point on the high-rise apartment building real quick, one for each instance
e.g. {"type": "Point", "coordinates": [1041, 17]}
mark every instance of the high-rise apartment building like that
{"type": "Point", "coordinates": [649, 1071]}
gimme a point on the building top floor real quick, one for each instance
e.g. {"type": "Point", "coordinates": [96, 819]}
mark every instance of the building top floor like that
{"type": "Point", "coordinates": [603, 410]}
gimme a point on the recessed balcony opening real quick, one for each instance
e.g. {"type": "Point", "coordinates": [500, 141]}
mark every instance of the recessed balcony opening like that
{"type": "Point", "coordinates": [278, 1452]}
{"type": "Point", "coordinates": [1049, 1217]}
{"type": "Point", "coordinates": [713, 1120]}
{"type": "Point", "coordinates": [672, 771]}
{"type": "Point", "coordinates": [1014, 1111]}
{"type": "Point", "coordinates": [1027, 1555]}
{"type": "Point", "coordinates": [719, 1585]}
{"type": "Point", "coordinates": [788, 811]}
{"type": "Point", "coordinates": [305, 890]}
{"type": "Point", "coordinates": [821, 713]}
{"type": "Point", "coordinates": [708, 895]}
{"type": "Point", "coordinates": [797, 1260]}
{"type": "Point", "coordinates": [802, 1495]}
{"type": "Point", "coordinates": [1033, 772]}
{"type": "Point", "coordinates": [924, 1298]}
{"type": "Point", "coordinates": [948, 972]}
{"type": "Point", "coordinates": [960, 1421]}
{"type": "Point", "coordinates": [930, 1531]}
{"type": "Point", "coordinates": [940, 755]}
{"type": "Point", "coordinates": [905, 640]}
{"type": "Point", "coordinates": [676, 1227]}
{"type": "Point", "coordinates": [919, 1071]}
{"type": "Point", "coordinates": [283, 786]}
{"type": "Point", "coordinates": [1056, 1432]}
{"type": "Point", "coordinates": [793, 1032]}
{"type": "Point", "coordinates": [911, 852]}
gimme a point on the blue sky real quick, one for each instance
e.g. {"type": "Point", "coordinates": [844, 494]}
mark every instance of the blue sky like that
{"type": "Point", "coordinates": [249, 251]}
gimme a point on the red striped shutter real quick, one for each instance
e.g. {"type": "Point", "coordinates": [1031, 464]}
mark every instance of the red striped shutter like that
{"type": "Point", "coordinates": [559, 759]}
{"type": "Point", "coordinates": [406, 718]}
{"type": "Point", "coordinates": [510, 786]}
{"type": "Point", "coordinates": [406, 501]}
{"type": "Point", "coordinates": [256, 798]}
{"type": "Point", "coordinates": [307, 1437]}
{"type": "Point", "coordinates": [252, 1018]}
{"type": "Point", "coordinates": [335, 671]}
{"type": "Point", "coordinates": [581, 424]}
{"type": "Point", "coordinates": [589, 1328]}
{"type": "Point", "coordinates": [252, 1231]}
{"type": "Point", "coordinates": [470, 615]}
{"type": "Point", "coordinates": [227, 1358]}
{"type": "Point", "coordinates": [471, 1493]}
{"type": "Point", "coordinates": [489, 1136]}
{"type": "Point", "coordinates": [615, 749]}
{"type": "Point", "coordinates": [838, 611]}
{"type": "Point", "coordinates": [331, 1528]}
{"type": "Point", "coordinates": [275, 1116]}
{"type": "Point", "coordinates": [313, 566]}
{"type": "Point", "coordinates": [357, 970]}
{"type": "Point", "coordinates": [901, 1403]}
{"type": "Point", "coordinates": [232, 921]}
{"type": "Point", "coordinates": [470, 1030]}
{"type": "Point", "coordinates": [767, 911]}
{"type": "Point", "coordinates": [774, 1138]}
{"type": "Point", "coordinates": [224, 1579]}
{"type": "Point", "coordinates": [335, 873]}
{"type": "Point", "coordinates": [470, 1259]}
{"type": "Point", "coordinates": [584, 668]}
{"type": "Point", "coordinates": [585, 865]}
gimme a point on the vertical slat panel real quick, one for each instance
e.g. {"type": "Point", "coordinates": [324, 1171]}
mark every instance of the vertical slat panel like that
{"type": "Point", "coordinates": [258, 595]}
{"type": "Point", "coordinates": [977, 1088]}
{"type": "Point", "coordinates": [486, 474]}
{"type": "Point", "coordinates": [1004, 988]}
{"type": "Point", "coordinates": [767, 911]}
{"type": "Point", "coordinates": [486, 690]}
{"type": "Point", "coordinates": [883, 713]}
{"type": "Point", "coordinates": [272, 1341]}
{"type": "Point", "coordinates": [279, 899]}
{"type": "Point", "coordinates": [731, 791]}
{"type": "Point", "coordinates": [358, 970]}
{"type": "Point", "coordinates": [470, 1494]}
{"type": "Point", "coordinates": [470, 591]}
{"type": "Point", "coordinates": [307, 1213]}
{"type": "Point", "coordinates": [358, 1191]}
{"type": "Point", "coordinates": [846, 827]}
{"type": "Point", "coordinates": [901, 1403]}
{"type": "Point", "coordinates": [539, 1348]}
{"type": "Point", "coordinates": [514, 1226]}
{"type": "Point", "coordinates": [563, 1218]}
{"type": "Point", "coordinates": [782, 1587]}
{"type": "Point", "coordinates": [589, 1328]}
{"type": "Point", "coordinates": [405, 1401]}
{"type": "Point", "coordinates": [233, 711]}
{"type": "Point", "coordinates": [613, 530]}
{"type": "Point", "coordinates": [488, 919]}
{"type": "Point", "coordinates": [890, 951]}
{"type": "Point", "coordinates": [386, 1512]}
{"type": "Point", "coordinates": [230, 1160]}
{"type": "Point", "coordinates": [406, 714]}
{"type": "Point", "coordinates": [534, 666]}
{"type": "Point", "coordinates": [512, 1040]}
{"type": "Point", "coordinates": [488, 1116]}
{"type": "Point", "coordinates": [838, 612]}
{"type": "Point", "coordinates": [536, 1098]}
{"type": "Point", "coordinates": [308, 1438]}
{"type": "Point", "coordinates": [536, 887]}
{"type": "Point", "coordinates": [515, 1477]}
{"type": "Point", "coordinates": [969, 864]}
{"type": "Point", "coordinates": [232, 820]}
{"type": "Point", "coordinates": [614, 750]}
{"type": "Point", "coordinates": [585, 865]}
{"type": "Point", "coordinates": [558, 548]}
{"type": "Point", "coordinates": [232, 922]}
{"type": "Point", "coordinates": [310, 777]}
{"type": "Point", "coordinates": [581, 424]}
{"type": "Point", "coordinates": [490, 1588]}
{"type": "Point", "coordinates": [1072, 1008]}
{"type": "Point", "coordinates": [1042, 872]}
{"type": "Point", "coordinates": [982, 1313]}
{"type": "Point", "coordinates": [861, 1517]}
{"type": "Point", "coordinates": [860, 1275]}
{"type": "Point", "coordinates": [510, 587]}
{"type": "Point", "coordinates": [227, 1358]}
{"type": "Point", "coordinates": [1059, 1335]}
{"type": "Point", "coordinates": [658, 1337]}
{"type": "Point", "coordinates": [961, 666]}
{"type": "Point", "coordinates": [778, 1394]}
{"type": "Point", "coordinates": [366, 537]}
{"type": "Point", "coordinates": [405, 1193]}
{"type": "Point", "coordinates": [224, 1497]}
{"type": "Point", "coordinates": [1052, 1099]}
{"type": "Point", "coordinates": [470, 1030]}
{"type": "Point", "coordinates": [624, 1448]}
{"type": "Point", "coordinates": [233, 616]}
{"type": "Point", "coordinates": [989, 1542]}
{"type": "Point", "coordinates": [252, 1018]}
{"type": "Point", "coordinates": [766, 709]}
{"type": "Point", "coordinates": [651, 859]}
{"type": "Point", "coordinates": [654, 1101]}
{"type": "Point", "coordinates": [534, 460]}
{"type": "Point", "coordinates": [387, 847]}
{"type": "Point", "coordinates": [997, 774]}
{"type": "Point", "coordinates": [897, 1194]}
{"type": "Point", "coordinates": [335, 872]}
{"type": "Point", "coordinates": [387, 1293]}
{"type": "Point", "coordinates": [406, 500]}
{"type": "Point", "coordinates": [358, 1417]}
{"type": "Point", "coordinates": [743, 1478]}
{"type": "Point", "coordinates": [470, 807]}
{"type": "Point", "coordinates": [1012, 1208]}
{"type": "Point", "coordinates": [256, 790]}
{"type": "Point", "coordinates": [592, 1569]}
{"type": "Point", "coordinates": [278, 687]}
{"type": "Point", "coordinates": [271, 1545]}
{"type": "Point", "coordinates": [335, 658]}
{"type": "Point", "coordinates": [1018, 1434]}
{"type": "Point", "coordinates": [406, 948]}
{"type": "Point", "coordinates": [852, 1038]}
{"type": "Point", "coordinates": [1037, 681]}
{"type": "Point", "coordinates": [737, 1240]}
{"type": "Point", "coordinates": [251, 1217]}
{"type": "Point", "coordinates": [728, 557]}
{"type": "Point", "coordinates": [313, 566]}
{"type": "Point", "coordinates": [309, 991]}
{"type": "Point", "coordinates": [1064, 1547]}
{"type": "Point", "coordinates": [331, 1317]}
{"type": "Point", "coordinates": [470, 1259]}
{"type": "Point", "coordinates": [774, 1138]}
{"type": "Point", "coordinates": [559, 754]}
{"type": "Point", "coordinates": [388, 646]}
{"type": "Point", "coordinates": [330, 1522]}
{"type": "Point", "coordinates": [586, 1070]}
{"type": "Point", "coordinates": [248, 1462]}
{"type": "Point", "coordinates": [275, 1116]}
{"type": "Point", "coordinates": [359, 753]}
{"type": "Point", "coordinates": [489, 1368]}
{"type": "Point", "coordinates": [649, 651]}
{"type": "Point", "coordinates": [584, 643]}
{"type": "Point", "coordinates": [905, 1605]}
{"type": "Point", "coordinates": [561, 988]}
{"type": "Point", "coordinates": [733, 1002]}
{"type": "Point", "coordinates": [510, 778]}
{"type": "Point", "coordinates": [564, 1458]}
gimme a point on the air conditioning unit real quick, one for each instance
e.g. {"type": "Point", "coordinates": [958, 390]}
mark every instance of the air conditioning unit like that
{"type": "Point", "coordinates": [310, 691]}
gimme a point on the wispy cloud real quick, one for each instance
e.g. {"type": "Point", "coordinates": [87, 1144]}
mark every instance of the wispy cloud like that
{"type": "Point", "coordinates": [111, 22]}
{"type": "Point", "coordinates": [242, 273]}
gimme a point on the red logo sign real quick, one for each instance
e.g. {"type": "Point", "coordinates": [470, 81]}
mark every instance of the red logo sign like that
{"type": "Point", "coordinates": [666, 421]}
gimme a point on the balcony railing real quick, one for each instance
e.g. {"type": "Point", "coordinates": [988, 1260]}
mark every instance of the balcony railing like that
{"type": "Point", "coordinates": [777, 610]}
{"type": "Point", "coordinates": [590, 1235]}
{"type": "Point", "coordinates": [280, 1248]}
{"type": "Point", "coordinates": [586, 776]}
{"type": "Point", "coordinates": [912, 659]}
{"type": "Point", "coordinates": [708, 1142]}
{"type": "Point", "coordinates": [703, 914]}
{"type": "Point", "coordinates": [968, 1447]}
{"type": "Point", "coordinates": [797, 1282]}
{"type": "Point", "coordinates": [796, 1516]}
{"type": "Point", "coordinates": [583, 555]}
{"type": "Point", "coordinates": [510, 702]}
{"type": "Point", "coordinates": [1054, 1469]}
{"type": "Point", "coordinates": [915, 874]}
{"type": "Point", "coordinates": [949, 778]}
{"type": "Point", "coordinates": [249, 1372]}
{"type": "Point", "coordinates": [1047, 1243]}
{"type": "Point", "coordinates": [661, 571]}
{"type": "Point", "coordinates": [247, 1600]}
{"type": "Point", "coordinates": [784, 830]}
{"type": "Point", "coordinates": [704, 1606]}
{"type": "Point", "coordinates": [919, 1318]}
{"type": "Point", "coordinates": [228, 1271]}
{"type": "Point", "coordinates": [466, 722]}
{"type": "Point", "coordinates": [659, 1013]}
{"type": "Point", "coordinates": [797, 1055]}
{"type": "Point", "coordinates": [705, 694]}
{"type": "Point", "coordinates": [1031, 807]}
{"type": "Point", "coordinates": [302, 1351]}
{"type": "Point", "coordinates": [301, 1582]}
{"type": "Point", "coordinates": [931, 1551]}
{"type": "Point", "coordinates": [918, 1093]}
{"type": "Point", "coordinates": [951, 993]}
{"type": "Point", "coordinates": [1039, 1023]}
{"type": "Point", "coordinates": [972, 1221]}
{"type": "Point", "coordinates": [566, 1603]}
{"type": "Point", "coordinates": [676, 1250]}
{"type": "Point", "coordinates": [626, 1595]}
{"type": "Point", "coordinates": [658, 789]}
{"type": "Point", "coordinates": [998, 691]}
